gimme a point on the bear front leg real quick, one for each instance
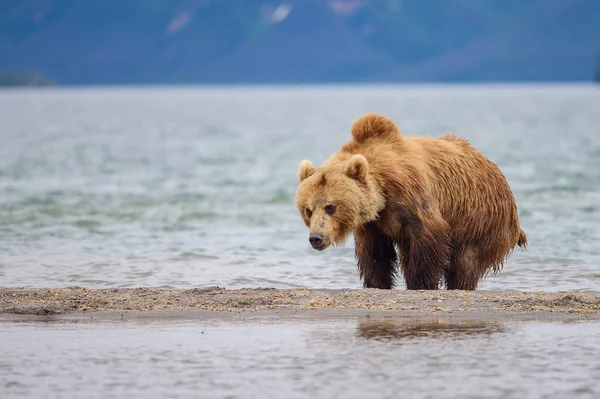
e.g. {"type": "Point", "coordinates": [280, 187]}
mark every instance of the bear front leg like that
{"type": "Point", "coordinates": [425, 249]}
{"type": "Point", "coordinates": [376, 256]}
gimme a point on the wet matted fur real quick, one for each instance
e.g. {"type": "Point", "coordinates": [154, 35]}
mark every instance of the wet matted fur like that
{"type": "Point", "coordinates": [435, 206]}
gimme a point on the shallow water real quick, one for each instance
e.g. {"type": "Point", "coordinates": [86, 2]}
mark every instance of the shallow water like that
{"type": "Point", "coordinates": [191, 186]}
{"type": "Point", "coordinates": [303, 357]}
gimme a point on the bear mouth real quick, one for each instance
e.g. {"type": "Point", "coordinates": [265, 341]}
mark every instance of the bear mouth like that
{"type": "Point", "coordinates": [320, 247]}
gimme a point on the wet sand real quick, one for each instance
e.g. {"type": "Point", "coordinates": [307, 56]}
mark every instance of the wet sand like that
{"type": "Point", "coordinates": [207, 302]}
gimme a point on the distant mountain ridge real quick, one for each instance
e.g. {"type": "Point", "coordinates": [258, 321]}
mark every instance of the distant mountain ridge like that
{"type": "Point", "coordinates": [300, 41]}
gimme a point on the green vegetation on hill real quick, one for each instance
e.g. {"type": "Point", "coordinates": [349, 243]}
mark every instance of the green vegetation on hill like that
{"type": "Point", "coordinates": [24, 78]}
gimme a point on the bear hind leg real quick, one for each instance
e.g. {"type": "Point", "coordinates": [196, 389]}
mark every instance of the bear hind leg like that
{"type": "Point", "coordinates": [376, 256]}
{"type": "Point", "coordinates": [425, 254]}
{"type": "Point", "coordinates": [465, 270]}
{"type": "Point", "coordinates": [421, 270]}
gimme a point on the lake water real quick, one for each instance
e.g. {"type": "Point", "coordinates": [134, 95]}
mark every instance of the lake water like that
{"type": "Point", "coordinates": [364, 357]}
{"type": "Point", "coordinates": [188, 187]}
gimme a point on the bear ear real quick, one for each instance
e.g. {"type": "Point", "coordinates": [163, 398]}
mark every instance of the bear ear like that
{"type": "Point", "coordinates": [357, 169]}
{"type": "Point", "coordinates": [306, 170]}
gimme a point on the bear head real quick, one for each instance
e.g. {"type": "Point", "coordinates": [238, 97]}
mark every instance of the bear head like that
{"type": "Point", "coordinates": [336, 198]}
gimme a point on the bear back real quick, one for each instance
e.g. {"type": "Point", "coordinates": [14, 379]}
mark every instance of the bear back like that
{"type": "Point", "coordinates": [373, 125]}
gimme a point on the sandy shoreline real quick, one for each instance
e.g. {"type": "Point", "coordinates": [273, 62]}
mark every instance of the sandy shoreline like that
{"type": "Point", "coordinates": [211, 302]}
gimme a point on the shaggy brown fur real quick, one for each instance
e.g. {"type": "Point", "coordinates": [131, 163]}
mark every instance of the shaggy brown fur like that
{"type": "Point", "coordinates": [436, 206]}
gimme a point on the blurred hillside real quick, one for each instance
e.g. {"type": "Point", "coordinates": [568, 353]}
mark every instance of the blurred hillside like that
{"type": "Point", "coordinates": [263, 41]}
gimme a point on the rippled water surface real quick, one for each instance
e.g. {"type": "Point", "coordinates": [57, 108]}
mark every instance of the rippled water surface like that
{"type": "Point", "coordinates": [192, 186]}
{"type": "Point", "coordinates": [362, 357]}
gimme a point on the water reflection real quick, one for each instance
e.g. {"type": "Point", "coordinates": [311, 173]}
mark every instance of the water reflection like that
{"type": "Point", "coordinates": [394, 328]}
{"type": "Point", "coordinates": [316, 356]}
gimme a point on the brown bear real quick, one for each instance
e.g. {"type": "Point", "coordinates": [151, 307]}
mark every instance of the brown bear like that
{"type": "Point", "coordinates": [436, 206]}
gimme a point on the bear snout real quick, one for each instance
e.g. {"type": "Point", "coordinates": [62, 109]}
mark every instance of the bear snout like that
{"type": "Point", "coordinates": [316, 240]}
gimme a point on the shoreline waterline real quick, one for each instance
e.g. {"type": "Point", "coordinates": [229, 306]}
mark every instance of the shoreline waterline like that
{"type": "Point", "coordinates": [119, 303]}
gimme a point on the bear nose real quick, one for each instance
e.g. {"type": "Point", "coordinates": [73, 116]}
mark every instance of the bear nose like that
{"type": "Point", "coordinates": [316, 239]}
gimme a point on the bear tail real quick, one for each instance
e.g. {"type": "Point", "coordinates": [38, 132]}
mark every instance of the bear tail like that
{"type": "Point", "coordinates": [522, 241]}
{"type": "Point", "coordinates": [373, 125]}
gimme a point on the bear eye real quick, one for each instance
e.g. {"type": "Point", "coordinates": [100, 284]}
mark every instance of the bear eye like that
{"type": "Point", "coordinates": [330, 209]}
{"type": "Point", "coordinates": [308, 212]}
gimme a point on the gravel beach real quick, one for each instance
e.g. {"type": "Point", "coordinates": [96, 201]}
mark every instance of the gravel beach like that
{"type": "Point", "coordinates": [220, 301]}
